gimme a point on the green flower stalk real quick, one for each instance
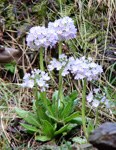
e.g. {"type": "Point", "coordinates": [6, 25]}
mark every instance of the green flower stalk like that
{"type": "Point", "coordinates": [60, 76]}
{"type": "Point", "coordinates": [96, 119]}
{"type": "Point", "coordinates": [37, 103]}
{"type": "Point", "coordinates": [41, 59]}
{"type": "Point", "coordinates": [83, 108]}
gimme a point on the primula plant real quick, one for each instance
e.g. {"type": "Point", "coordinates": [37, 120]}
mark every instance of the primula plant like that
{"type": "Point", "coordinates": [81, 68]}
{"type": "Point", "coordinates": [58, 116]}
{"type": "Point", "coordinates": [54, 117]}
{"type": "Point", "coordinates": [49, 119]}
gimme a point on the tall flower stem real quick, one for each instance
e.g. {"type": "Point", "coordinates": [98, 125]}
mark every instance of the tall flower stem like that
{"type": "Point", "coordinates": [83, 108]}
{"type": "Point", "coordinates": [58, 101]}
{"type": "Point", "coordinates": [96, 120]}
{"type": "Point", "coordinates": [42, 69]}
{"type": "Point", "coordinates": [41, 59]}
{"type": "Point", "coordinates": [37, 104]}
{"type": "Point", "coordinates": [60, 76]}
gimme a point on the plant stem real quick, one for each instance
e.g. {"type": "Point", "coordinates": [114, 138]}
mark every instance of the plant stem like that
{"type": "Point", "coordinates": [41, 59]}
{"type": "Point", "coordinates": [83, 108]}
{"type": "Point", "coordinates": [96, 120]}
{"type": "Point", "coordinates": [60, 76]}
{"type": "Point", "coordinates": [37, 104]}
{"type": "Point", "coordinates": [42, 69]}
{"type": "Point", "coordinates": [58, 97]}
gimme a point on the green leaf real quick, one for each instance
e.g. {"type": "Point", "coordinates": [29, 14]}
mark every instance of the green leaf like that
{"type": "Point", "coordinates": [107, 93]}
{"type": "Point", "coordinates": [30, 128]}
{"type": "Point", "coordinates": [72, 96]}
{"type": "Point", "coordinates": [79, 140]}
{"type": "Point", "coordinates": [77, 120]}
{"type": "Point", "coordinates": [42, 138]}
{"type": "Point", "coordinates": [72, 116]}
{"type": "Point", "coordinates": [67, 110]}
{"type": "Point", "coordinates": [60, 110]}
{"type": "Point", "coordinates": [52, 117]}
{"type": "Point", "coordinates": [55, 96]}
{"type": "Point", "coordinates": [41, 112]}
{"type": "Point", "coordinates": [114, 96]}
{"type": "Point", "coordinates": [74, 104]}
{"type": "Point", "coordinates": [90, 127]}
{"type": "Point", "coordinates": [61, 130]}
{"type": "Point", "coordinates": [69, 104]}
{"type": "Point", "coordinates": [70, 127]}
{"type": "Point", "coordinates": [48, 129]}
{"type": "Point", "coordinates": [55, 126]}
{"type": "Point", "coordinates": [10, 66]}
{"type": "Point", "coordinates": [54, 102]}
{"type": "Point", "coordinates": [41, 109]}
{"type": "Point", "coordinates": [28, 117]}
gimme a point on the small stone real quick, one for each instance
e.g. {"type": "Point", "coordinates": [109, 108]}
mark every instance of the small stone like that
{"type": "Point", "coordinates": [10, 54]}
{"type": "Point", "coordinates": [104, 137]}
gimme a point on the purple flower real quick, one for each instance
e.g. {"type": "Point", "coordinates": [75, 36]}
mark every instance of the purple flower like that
{"type": "Point", "coordinates": [79, 75]}
{"type": "Point", "coordinates": [58, 66]}
{"type": "Point", "coordinates": [28, 83]}
{"type": "Point", "coordinates": [103, 99]}
{"type": "Point", "coordinates": [46, 77]}
{"type": "Point", "coordinates": [64, 28]}
{"type": "Point", "coordinates": [89, 97]}
{"type": "Point", "coordinates": [83, 68]}
{"type": "Point", "coordinates": [40, 82]}
{"type": "Point", "coordinates": [65, 71]}
{"type": "Point", "coordinates": [80, 67]}
{"type": "Point", "coordinates": [41, 37]}
{"type": "Point", "coordinates": [26, 76]}
{"type": "Point", "coordinates": [62, 56]}
{"type": "Point", "coordinates": [95, 103]}
{"type": "Point", "coordinates": [96, 90]}
{"type": "Point", "coordinates": [37, 77]}
{"type": "Point", "coordinates": [107, 103]}
{"type": "Point", "coordinates": [52, 65]}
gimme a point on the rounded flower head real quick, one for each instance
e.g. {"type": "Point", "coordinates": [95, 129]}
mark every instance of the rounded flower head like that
{"type": "Point", "coordinates": [85, 68]}
{"type": "Point", "coordinates": [64, 28]}
{"type": "Point", "coordinates": [81, 68]}
{"type": "Point", "coordinates": [41, 37]}
{"type": "Point", "coordinates": [37, 77]}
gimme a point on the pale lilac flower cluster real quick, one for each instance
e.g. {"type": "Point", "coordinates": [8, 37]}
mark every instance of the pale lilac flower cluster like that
{"type": "Point", "coordinates": [96, 98]}
{"type": "Point", "coordinates": [61, 64]}
{"type": "Point", "coordinates": [81, 68]}
{"type": "Point", "coordinates": [64, 28]}
{"type": "Point", "coordinates": [37, 77]}
{"type": "Point", "coordinates": [41, 37]}
{"type": "Point", "coordinates": [85, 68]}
